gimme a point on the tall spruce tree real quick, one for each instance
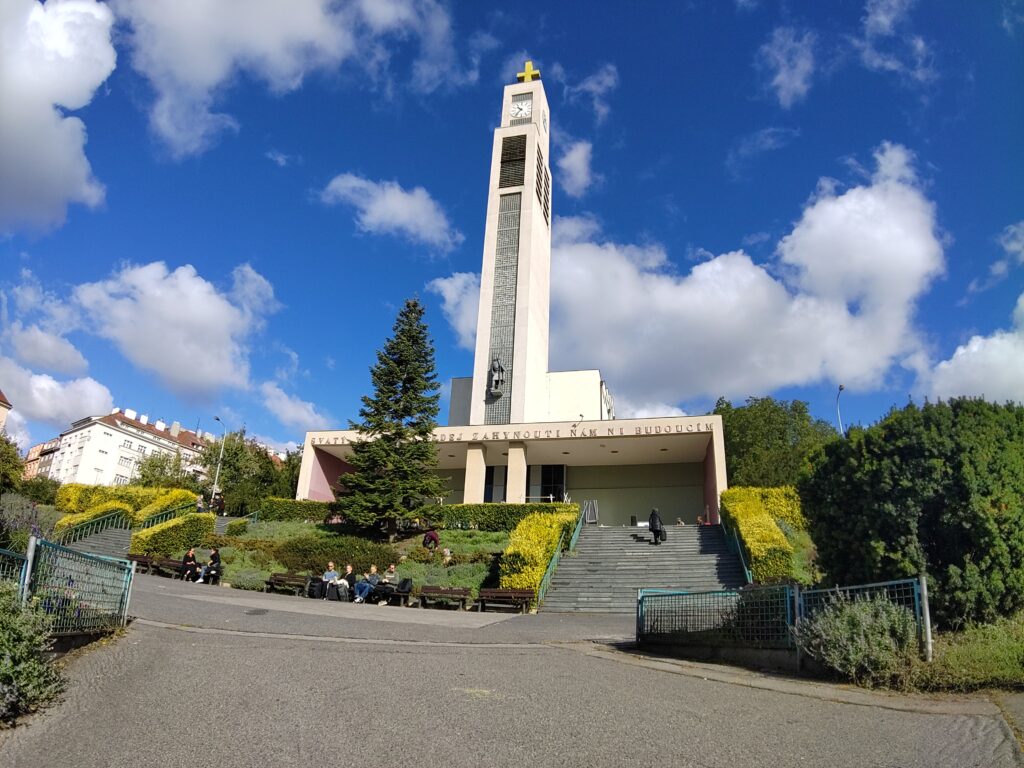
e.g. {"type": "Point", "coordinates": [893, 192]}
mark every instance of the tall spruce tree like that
{"type": "Point", "coordinates": [394, 459]}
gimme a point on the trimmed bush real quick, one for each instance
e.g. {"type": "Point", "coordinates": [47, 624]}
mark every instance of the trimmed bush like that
{"type": "Point", "coordinates": [236, 527]}
{"type": "Point", "coordinates": [293, 509]}
{"type": "Point", "coordinates": [173, 536]}
{"type": "Point", "coordinates": [311, 553]}
{"type": "Point", "coordinates": [489, 517]}
{"type": "Point", "coordinates": [75, 498]}
{"type": "Point", "coordinates": [27, 680]}
{"type": "Point", "coordinates": [92, 513]}
{"type": "Point", "coordinates": [870, 642]}
{"type": "Point", "coordinates": [531, 545]}
{"type": "Point", "coordinates": [176, 497]}
{"type": "Point", "coordinates": [771, 554]}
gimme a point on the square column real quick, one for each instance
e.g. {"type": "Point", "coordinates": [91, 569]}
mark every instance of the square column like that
{"type": "Point", "coordinates": [515, 481]}
{"type": "Point", "coordinates": [476, 471]}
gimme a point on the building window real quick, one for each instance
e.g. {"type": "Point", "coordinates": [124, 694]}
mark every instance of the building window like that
{"type": "Point", "coordinates": [103, 452]}
{"type": "Point", "coordinates": [126, 444]}
{"type": "Point", "coordinates": [513, 161]}
{"type": "Point", "coordinates": [125, 461]}
{"type": "Point", "coordinates": [120, 480]}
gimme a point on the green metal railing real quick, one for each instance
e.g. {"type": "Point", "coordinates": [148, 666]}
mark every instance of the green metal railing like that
{"type": "Point", "coordinates": [12, 566]}
{"type": "Point", "coordinates": [167, 514]}
{"type": "Point", "coordinates": [732, 541]}
{"type": "Point", "coordinates": [556, 557]}
{"type": "Point", "coordinates": [91, 527]}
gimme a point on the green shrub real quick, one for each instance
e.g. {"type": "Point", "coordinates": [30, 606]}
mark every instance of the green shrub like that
{"type": "Point", "coordinates": [489, 517]}
{"type": "Point", "coordinates": [248, 579]}
{"type": "Point", "coordinates": [312, 553]}
{"type": "Point", "coordinates": [294, 509]}
{"type": "Point", "coordinates": [27, 680]}
{"type": "Point", "coordinates": [937, 488]}
{"type": "Point", "coordinates": [980, 656]}
{"type": "Point", "coordinates": [74, 497]}
{"type": "Point", "coordinates": [92, 513]}
{"type": "Point", "coordinates": [237, 527]}
{"type": "Point", "coordinates": [870, 642]}
{"type": "Point", "coordinates": [172, 499]}
{"type": "Point", "coordinates": [770, 553]}
{"type": "Point", "coordinates": [531, 545]}
{"type": "Point", "coordinates": [175, 535]}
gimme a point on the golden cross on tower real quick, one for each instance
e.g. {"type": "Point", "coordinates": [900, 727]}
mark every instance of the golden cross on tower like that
{"type": "Point", "coordinates": [528, 74]}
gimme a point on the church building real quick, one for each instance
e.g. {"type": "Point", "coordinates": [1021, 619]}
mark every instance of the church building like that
{"type": "Point", "coordinates": [516, 431]}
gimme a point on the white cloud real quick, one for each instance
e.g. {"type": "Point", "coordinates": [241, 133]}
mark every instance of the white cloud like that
{"type": "Point", "coordinates": [178, 325]}
{"type": "Point", "coordinates": [837, 304]}
{"type": "Point", "coordinates": [53, 57]}
{"type": "Point", "coordinates": [1013, 16]}
{"type": "Point", "coordinates": [885, 47]}
{"type": "Point", "coordinates": [290, 410]}
{"type": "Point", "coordinates": [788, 57]}
{"type": "Point", "coordinates": [278, 158]}
{"type": "Point", "coordinates": [626, 409]}
{"type": "Point", "coordinates": [278, 446]}
{"type": "Point", "coordinates": [461, 302]}
{"type": "Point", "coordinates": [575, 174]}
{"type": "Point", "coordinates": [597, 87]}
{"type": "Point", "coordinates": [574, 229]}
{"type": "Point", "coordinates": [1011, 240]}
{"type": "Point", "coordinates": [986, 366]}
{"type": "Point", "coordinates": [17, 429]}
{"type": "Point", "coordinates": [757, 143]}
{"type": "Point", "coordinates": [40, 397]}
{"type": "Point", "coordinates": [384, 207]}
{"type": "Point", "coordinates": [191, 51]}
{"type": "Point", "coordinates": [41, 349]}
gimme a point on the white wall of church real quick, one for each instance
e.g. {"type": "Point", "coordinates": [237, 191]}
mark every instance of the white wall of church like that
{"type": "Point", "coordinates": [677, 490]}
{"type": "Point", "coordinates": [572, 394]}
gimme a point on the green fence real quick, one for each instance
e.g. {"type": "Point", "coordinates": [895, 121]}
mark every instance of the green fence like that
{"type": "Point", "coordinates": [77, 591]}
{"type": "Point", "coordinates": [758, 617]}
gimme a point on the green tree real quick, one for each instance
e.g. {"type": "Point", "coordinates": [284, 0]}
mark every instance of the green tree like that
{"type": "Point", "coordinates": [247, 472]}
{"type": "Point", "coordinates": [11, 465]}
{"type": "Point", "coordinates": [164, 470]}
{"type": "Point", "coordinates": [767, 441]}
{"type": "Point", "coordinates": [42, 490]}
{"type": "Point", "coordinates": [936, 489]}
{"type": "Point", "coordinates": [394, 459]}
{"type": "Point", "coordinates": [286, 482]}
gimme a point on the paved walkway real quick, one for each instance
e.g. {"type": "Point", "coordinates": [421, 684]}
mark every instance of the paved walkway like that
{"type": "Point", "coordinates": [210, 676]}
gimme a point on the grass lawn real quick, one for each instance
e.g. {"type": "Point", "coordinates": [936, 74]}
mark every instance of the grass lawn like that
{"type": "Point", "coordinates": [986, 656]}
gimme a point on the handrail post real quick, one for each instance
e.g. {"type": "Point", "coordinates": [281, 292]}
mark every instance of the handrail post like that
{"type": "Point", "coordinates": [30, 556]}
{"type": "Point", "coordinates": [926, 617]}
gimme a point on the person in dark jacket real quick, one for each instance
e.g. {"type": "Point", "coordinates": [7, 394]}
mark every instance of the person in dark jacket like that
{"type": "Point", "coordinates": [212, 569]}
{"type": "Point", "coordinates": [654, 522]}
{"type": "Point", "coordinates": [189, 566]}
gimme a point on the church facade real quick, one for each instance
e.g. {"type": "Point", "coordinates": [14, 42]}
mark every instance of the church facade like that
{"type": "Point", "coordinates": [517, 431]}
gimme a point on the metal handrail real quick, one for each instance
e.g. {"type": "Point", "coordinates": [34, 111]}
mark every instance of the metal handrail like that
{"type": "Point", "coordinates": [545, 582]}
{"type": "Point", "coordinates": [89, 527]}
{"type": "Point", "coordinates": [737, 545]}
{"type": "Point", "coordinates": [576, 531]}
{"type": "Point", "coordinates": [167, 514]}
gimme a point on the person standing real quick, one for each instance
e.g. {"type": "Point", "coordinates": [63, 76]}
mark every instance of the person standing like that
{"type": "Point", "coordinates": [656, 526]}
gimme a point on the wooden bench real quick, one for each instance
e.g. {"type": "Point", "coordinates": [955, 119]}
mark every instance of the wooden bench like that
{"type": "Point", "coordinates": [512, 598]}
{"type": "Point", "coordinates": [293, 582]}
{"type": "Point", "coordinates": [165, 566]}
{"type": "Point", "coordinates": [460, 595]}
{"type": "Point", "coordinates": [143, 563]}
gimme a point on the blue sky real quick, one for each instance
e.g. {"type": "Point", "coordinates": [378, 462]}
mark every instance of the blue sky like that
{"type": "Point", "coordinates": [217, 207]}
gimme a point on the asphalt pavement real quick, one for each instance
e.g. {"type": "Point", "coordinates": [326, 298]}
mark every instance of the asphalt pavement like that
{"type": "Point", "coordinates": [210, 676]}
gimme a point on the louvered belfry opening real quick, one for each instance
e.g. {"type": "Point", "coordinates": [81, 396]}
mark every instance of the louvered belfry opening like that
{"type": "Point", "coordinates": [543, 183]}
{"type": "Point", "coordinates": [513, 162]}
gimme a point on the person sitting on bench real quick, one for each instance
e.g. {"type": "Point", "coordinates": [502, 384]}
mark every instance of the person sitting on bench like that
{"type": "Point", "coordinates": [189, 566]}
{"type": "Point", "coordinates": [212, 569]}
{"type": "Point", "coordinates": [346, 584]}
{"type": "Point", "coordinates": [388, 583]}
{"type": "Point", "coordinates": [367, 585]}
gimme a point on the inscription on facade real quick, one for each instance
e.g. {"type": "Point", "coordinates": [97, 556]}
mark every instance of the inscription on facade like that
{"type": "Point", "coordinates": [483, 436]}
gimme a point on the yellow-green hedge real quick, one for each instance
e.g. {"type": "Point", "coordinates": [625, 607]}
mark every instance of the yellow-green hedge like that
{"type": "Point", "coordinates": [746, 511]}
{"type": "Point", "coordinates": [74, 498]}
{"type": "Point", "coordinates": [173, 536]}
{"type": "Point", "coordinates": [531, 545]}
{"type": "Point", "coordinates": [92, 513]}
{"type": "Point", "coordinates": [176, 497]}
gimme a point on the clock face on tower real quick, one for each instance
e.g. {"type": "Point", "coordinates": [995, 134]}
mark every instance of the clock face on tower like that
{"type": "Point", "coordinates": [521, 109]}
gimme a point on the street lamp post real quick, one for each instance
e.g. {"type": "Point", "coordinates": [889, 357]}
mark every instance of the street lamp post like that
{"type": "Point", "coordinates": [216, 477]}
{"type": "Point", "coordinates": [839, 415]}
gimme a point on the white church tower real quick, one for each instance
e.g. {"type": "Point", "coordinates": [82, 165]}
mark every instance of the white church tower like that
{"type": "Point", "coordinates": [511, 363]}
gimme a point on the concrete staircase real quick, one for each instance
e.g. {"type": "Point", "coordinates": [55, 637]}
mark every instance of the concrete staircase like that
{"type": "Point", "coordinates": [220, 524]}
{"type": "Point", "coordinates": [610, 564]}
{"type": "Point", "coordinates": [112, 542]}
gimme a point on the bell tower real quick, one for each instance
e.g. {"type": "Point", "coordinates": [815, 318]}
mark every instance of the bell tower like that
{"type": "Point", "coordinates": [511, 359]}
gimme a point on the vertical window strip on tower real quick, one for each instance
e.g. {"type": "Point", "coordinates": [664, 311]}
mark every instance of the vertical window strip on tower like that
{"type": "Point", "coordinates": [503, 305]}
{"type": "Point", "coordinates": [543, 186]}
{"type": "Point", "coordinates": [513, 163]}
